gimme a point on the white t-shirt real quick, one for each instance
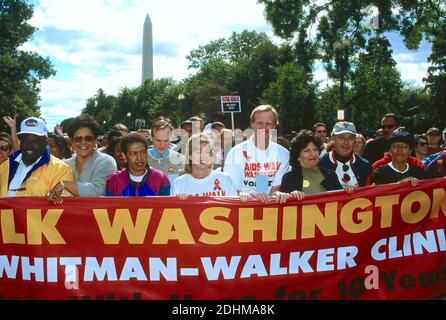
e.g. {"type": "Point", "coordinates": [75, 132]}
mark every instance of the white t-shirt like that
{"type": "Point", "coordinates": [245, 161]}
{"type": "Point", "coordinates": [217, 184]}
{"type": "Point", "coordinates": [137, 179]}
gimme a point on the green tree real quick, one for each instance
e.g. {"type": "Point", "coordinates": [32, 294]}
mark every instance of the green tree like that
{"type": "Point", "coordinates": [238, 47]}
{"type": "Point", "coordinates": [243, 65]}
{"type": "Point", "coordinates": [203, 90]}
{"type": "Point", "coordinates": [65, 124]}
{"type": "Point", "coordinates": [125, 103]}
{"type": "Point", "coordinates": [100, 107]}
{"type": "Point", "coordinates": [436, 79]}
{"type": "Point", "coordinates": [376, 85]}
{"type": "Point", "coordinates": [321, 23]}
{"type": "Point", "coordinates": [20, 71]}
{"type": "Point", "coordinates": [352, 18]}
{"type": "Point", "coordinates": [293, 93]}
{"type": "Point", "coordinates": [415, 110]}
{"type": "Point", "coordinates": [328, 104]}
{"type": "Point", "coordinates": [253, 75]}
{"type": "Point", "coordinates": [157, 98]}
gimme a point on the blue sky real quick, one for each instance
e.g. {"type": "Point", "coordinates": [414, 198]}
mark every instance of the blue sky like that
{"type": "Point", "coordinates": [97, 44]}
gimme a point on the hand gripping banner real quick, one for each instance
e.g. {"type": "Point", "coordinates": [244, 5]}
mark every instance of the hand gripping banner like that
{"type": "Point", "coordinates": [385, 242]}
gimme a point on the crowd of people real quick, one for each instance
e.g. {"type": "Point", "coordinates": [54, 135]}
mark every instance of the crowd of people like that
{"type": "Point", "coordinates": [210, 160]}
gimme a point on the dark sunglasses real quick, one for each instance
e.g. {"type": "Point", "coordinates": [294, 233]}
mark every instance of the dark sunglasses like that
{"type": "Point", "coordinates": [86, 138]}
{"type": "Point", "coordinates": [389, 126]}
{"type": "Point", "coordinates": [346, 177]}
{"type": "Point", "coordinates": [422, 144]}
{"type": "Point", "coordinates": [5, 148]}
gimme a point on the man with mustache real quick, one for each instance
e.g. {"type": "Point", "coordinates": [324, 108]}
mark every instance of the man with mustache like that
{"type": "Point", "coordinates": [32, 171]}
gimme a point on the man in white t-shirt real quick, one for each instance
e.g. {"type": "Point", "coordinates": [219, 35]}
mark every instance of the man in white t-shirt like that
{"type": "Point", "coordinates": [257, 165]}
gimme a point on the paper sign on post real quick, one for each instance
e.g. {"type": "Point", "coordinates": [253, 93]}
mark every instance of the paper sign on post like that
{"type": "Point", "coordinates": [230, 104]}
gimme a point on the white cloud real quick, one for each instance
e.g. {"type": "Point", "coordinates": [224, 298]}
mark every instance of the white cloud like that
{"type": "Point", "coordinates": [404, 57]}
{"type": "Point", "coordinates": [413, 72]}
{"type": "Point", "coordinates": [99, 50]}
{"type": "Point", "coordinates": [118, 24]}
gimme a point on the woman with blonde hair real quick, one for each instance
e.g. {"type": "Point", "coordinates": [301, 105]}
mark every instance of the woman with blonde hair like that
{"type": "Point", "coordinates": [200, 179]}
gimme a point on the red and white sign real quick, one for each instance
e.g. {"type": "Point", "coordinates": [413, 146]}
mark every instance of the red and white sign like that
{"type": "Point", "coordinates": [380, 242]}
{"type": "Point", "coordinates": [231, 104]}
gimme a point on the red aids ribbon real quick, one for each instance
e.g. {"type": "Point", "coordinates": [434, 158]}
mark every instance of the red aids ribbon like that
{"type": "Point", "coordinates": [245, 154]}
{"type": "Point", "coordinates": [217, 185]}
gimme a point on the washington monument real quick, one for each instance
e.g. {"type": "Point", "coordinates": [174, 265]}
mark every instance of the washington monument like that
{"type": "Point", "coordinates": [147, 51]}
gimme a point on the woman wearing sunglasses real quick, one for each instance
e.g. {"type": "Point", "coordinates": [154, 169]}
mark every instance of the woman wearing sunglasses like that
{"type": "Point", "coordinates": [421, 147]}
{"type": "Point", "coordinates": [5, 148]}
{"type": "Point", "coordinates": [91, 168]}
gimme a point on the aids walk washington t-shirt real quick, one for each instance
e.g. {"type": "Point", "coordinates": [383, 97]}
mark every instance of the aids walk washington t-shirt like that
{"type": "Point", "coordinates": [245, 161]}
{"type": "Point", "coordinates": [217, 184]}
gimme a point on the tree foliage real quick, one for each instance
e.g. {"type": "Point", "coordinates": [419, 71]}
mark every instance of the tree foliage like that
{"type": "Point", "coordinates": [294, 95]}
{"type": "Point", "coordinates": [20, 71]}
{"type": "Point", "coordinates": [436, 79]}
{"type": "Point", "coordinates": [376, 85]}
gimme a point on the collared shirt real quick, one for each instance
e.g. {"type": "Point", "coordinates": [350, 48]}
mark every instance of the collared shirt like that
{"type": "Point", "coordinates": [95, 172]}
{"type": "Point", "coordinates": [20, 175]}
{"type": "Point", "coordinates": [170, 162]}
{"type": "Point", "coordinates": [358, 169]}
{"type": "Point", "coordinates": [398, 171]}
{"type": "Point", "coordinates": [156, 155]}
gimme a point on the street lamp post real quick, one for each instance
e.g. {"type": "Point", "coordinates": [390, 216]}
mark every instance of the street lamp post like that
{"type": "Point", "coordinates": [129, 120]}
{"type": "Point", "coordinates": [181, 98]}
{"type": "Point", "coordinates": [341, 49]}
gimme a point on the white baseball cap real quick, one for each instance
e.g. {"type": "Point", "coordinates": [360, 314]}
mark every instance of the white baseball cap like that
{"type": "Point", "coordinates": [34, 126]}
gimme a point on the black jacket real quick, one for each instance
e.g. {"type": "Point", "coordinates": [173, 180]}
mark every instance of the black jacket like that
{"type": "Point", "coordinates": [293, 180]}
{"type": "Point", "coordinates": [375, 149]}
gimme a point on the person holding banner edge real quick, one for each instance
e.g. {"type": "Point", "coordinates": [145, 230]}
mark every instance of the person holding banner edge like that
{"type": "Point", "coordinates": [306, 176]}
{"type": "Point", "coordinates": [399, 170]}
{"type": "Point", "coordinates": [257, 165]}
{"type": "Point", "coordinates": [32, 171]}
{"type": "Point", "coordinates": [90, 168]}
{"type": "Point", "coordinates": [200, 179]}
{"type": "Point", "coordinates": [138, 179]}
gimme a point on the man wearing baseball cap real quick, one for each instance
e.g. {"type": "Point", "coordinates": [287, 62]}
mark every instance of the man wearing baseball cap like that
{"type": "Point", "coordinates": [32, 171]}
{"type": "Point", "coordinates": [399, 169]}
{"type": "Point", "coordinates": [352, 170]}
{"type": "Point", "coordinates": [433, 138]}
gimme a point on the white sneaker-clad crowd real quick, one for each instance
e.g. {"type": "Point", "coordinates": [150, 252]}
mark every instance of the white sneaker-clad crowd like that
{"type": "Point", "coordinates": [211, 161]}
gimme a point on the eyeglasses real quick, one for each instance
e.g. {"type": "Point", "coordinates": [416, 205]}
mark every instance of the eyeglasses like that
{"type": "Point", "coordinates": [346, 178]}
{"type": "Point", "coordinates": [79, 139]}
{"type": "Point", "coordinates": [389, 126]}
{"type": "Point", "coordinates": [5, 148]}
{"type": "Point", "coordinates": [422, 144]}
